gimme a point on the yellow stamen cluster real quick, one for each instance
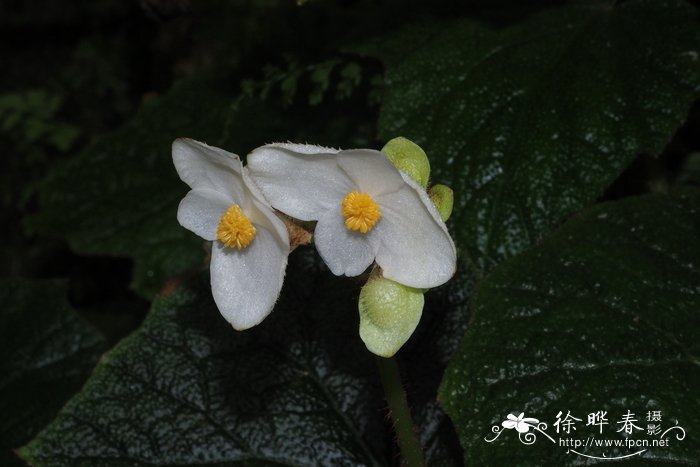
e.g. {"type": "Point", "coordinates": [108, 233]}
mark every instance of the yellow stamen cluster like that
{"type": "Point", "coordinates": [235, 229]}
{"type": "Point", "coordinates": [361, 212]}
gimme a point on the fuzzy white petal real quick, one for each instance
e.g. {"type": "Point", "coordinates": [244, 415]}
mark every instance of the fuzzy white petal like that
{"type": "Point", "coordinates": [302, 185]}
{"type": "Point", "coordinates": [371, 171]}
{"type": "Point", "coordinates": [200, 211]}
{"type": "Point", "coordinates": [206, 167]}
{"type": "Point", "coordinates": [261, 212]}
{"type": "Point", "coordinates": [304, 148]}
{"type": "Point", "coordinates": [346, 252]}
{"type": "Point", "coordinates": [246, 283]}
{"type": "Point", "coordinates": [415, 248]}
{"type": "Point", "coordinates": [263, 216]}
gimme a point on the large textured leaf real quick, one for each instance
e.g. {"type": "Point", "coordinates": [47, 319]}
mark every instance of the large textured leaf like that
{"type": "Point", "coordinates": [603, 315]}
{"type": "Point", "coordinates": [46, 354]}
{"type": "Point", "coordinates": [532, 122]}
{"type": "Point", "coordinates": [300, 389]}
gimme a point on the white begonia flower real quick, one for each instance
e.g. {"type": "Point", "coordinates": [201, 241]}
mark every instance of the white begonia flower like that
{"type": "Point", "coordinates": [251, 243]}
{"type": "Point", "coordinates": [366, 210]}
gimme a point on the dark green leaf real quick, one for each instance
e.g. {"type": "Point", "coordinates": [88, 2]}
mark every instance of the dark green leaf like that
{"type": "Point", "coordinates": [531, 123]}
{"type": "Point", "coordinates": [46, 354]}
{"type": "Point", "coordinates": [119, 197]}
{"type": "Point", "coordinates": [300, 389]}
{"type": "Point", "coordinates": [603, 315]}
{"type": "Point", "coordinates": [321, 79]}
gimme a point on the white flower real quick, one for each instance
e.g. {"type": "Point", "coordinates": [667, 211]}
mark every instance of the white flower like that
{"type": "Point", "coordinates": [251, 243]}
{"type": "Point", "coordinates": [366, 210]}
{"type": "Point", "coordinates": [522, 425]}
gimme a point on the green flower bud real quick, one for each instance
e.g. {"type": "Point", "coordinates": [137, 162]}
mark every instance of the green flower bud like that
{"type": "Point", "coordinates": [408, 157]}
{"type": "Point", "coordinates": [443, 199]}
{"type": "Point", "coordinates": [389, 313]}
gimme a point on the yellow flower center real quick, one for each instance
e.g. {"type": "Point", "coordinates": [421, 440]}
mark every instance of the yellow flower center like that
{"type": "Point", "coordinates": [235, 229]}
{"type": "Point", "coordinates": [361, 212]}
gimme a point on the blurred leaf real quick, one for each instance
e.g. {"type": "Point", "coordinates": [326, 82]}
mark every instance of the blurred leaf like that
{"type": "Point", "coordinates": [321, 79]}
{"type": "Point", "coordinates": [603, 315]}
{"type": "Point", "coordinates": [288, 86]}
{"type": "Point", "coordinates": [96, 79]}
{"type": "Point", "coordinates": [63, 136]}
{"type": "Point", "coordinates": [187, 389]}
{"type": "Point", "coordinates": [350, 79]}
{"type": "Point", "coordinates": [46, 354]}
{"type": "Point", "coordinates": [315, 81]}
{"type": "Point", "coordinates": [31, 131]}
{"type": "Point", "coordinates": [531, 123]}
{"type": "Point", "coordinates": [30, 119]}
{"type": "Point", "coordinates": [690, 171]}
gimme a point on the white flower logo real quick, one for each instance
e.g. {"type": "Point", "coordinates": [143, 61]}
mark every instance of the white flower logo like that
{"type": "Point", "coordinates": [521, 424]}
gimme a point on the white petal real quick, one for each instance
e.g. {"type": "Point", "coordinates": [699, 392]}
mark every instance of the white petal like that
{"type": "Point", "coordinates": [512, 417]}
{"type": "Point", "coordinates": [263, 216]}
{"type": "Point", "coordinates": [260, 211]}
{"type": "Point", "coordinates": [206, 167]}
{"type": "Point", "coordinates": [246, 283]}
{"type": "Point", "coordinates": [200, 211]}
{"type": "Point", "coordinates": [346, 252]}
{"type": "Point", "coordinates": [304, 148]}
{"type": "Point", "coordinates": [302, 185]}
{"type": "Point", "coordinates": [508, 424]}
{"type": "Point", "coordinates": [370, 170]}
{"type": "Point", "coordinates": [415, 248]}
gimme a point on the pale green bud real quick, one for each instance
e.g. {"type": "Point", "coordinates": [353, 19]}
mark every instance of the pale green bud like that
{"type": "Point", "coordinates": [443, 199]}
{"type": "Point", "coordinates": [389, 313]}
{"type": "Point", "coordinates": [408, 157]}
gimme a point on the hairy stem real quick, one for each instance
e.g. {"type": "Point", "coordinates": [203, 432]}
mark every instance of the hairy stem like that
{"type": "Point", "coordinates": [406, 436]}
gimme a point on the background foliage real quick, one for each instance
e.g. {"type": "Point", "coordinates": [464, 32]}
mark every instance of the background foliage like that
{"type": "Point", "coordinates": [569, 131]}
